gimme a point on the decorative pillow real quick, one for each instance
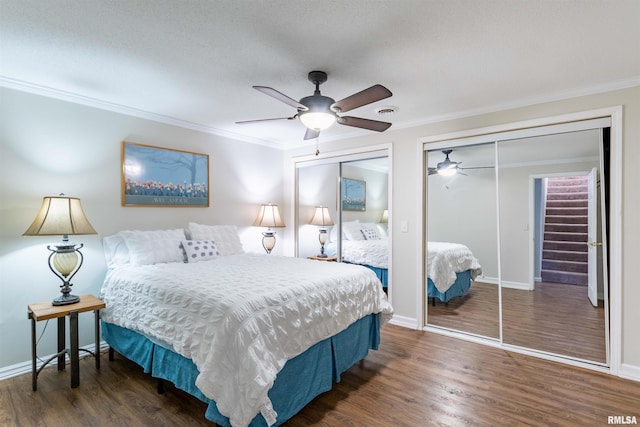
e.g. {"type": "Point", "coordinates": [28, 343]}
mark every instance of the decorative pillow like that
{"type": "Point", "coordinates": [370, 231]}
{"type": "Point", "coordinates": [200, 250]}
{"type": "Point", "coordinates": [153, 247]}
{"type": "Point", "coordinates": [115, 250]}
{"type": "Point", "coordinates": [352, 230]}
{"type": "Point", "coordinates": [225, 236]}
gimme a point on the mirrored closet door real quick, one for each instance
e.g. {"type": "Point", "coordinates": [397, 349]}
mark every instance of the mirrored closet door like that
{"type": "Point", "coordinates": [462, 250]}
{"type": "Point", "coordinates": [550, 192]}
{"type": "Point", "coordinates": [342, 211]}
{"type": "Point", "coordinates": [530, 211]}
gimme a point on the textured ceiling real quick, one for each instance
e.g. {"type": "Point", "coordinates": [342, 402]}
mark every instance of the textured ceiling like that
{"type": "Point", "coordinates": [193, 62]}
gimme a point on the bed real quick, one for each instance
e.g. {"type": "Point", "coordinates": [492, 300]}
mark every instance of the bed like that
{"type": "Point", "coordinates": [451, 267]}
{"type": "Point", "coordinates": [256, 337]}
{"type": "Point", "coordinates": [364, 244]}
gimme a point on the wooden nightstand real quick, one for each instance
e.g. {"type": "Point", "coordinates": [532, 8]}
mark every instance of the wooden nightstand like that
{"type": "Point", "coordinates": [329, 258]}
{"type": "Point", "coordinates": [45, 311]}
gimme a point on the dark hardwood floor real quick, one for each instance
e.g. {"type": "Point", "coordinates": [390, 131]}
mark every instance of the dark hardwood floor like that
{"type": "Point", "coordinates": [556, 318]}
{"type": "Point", "coordinates": [415, 379]}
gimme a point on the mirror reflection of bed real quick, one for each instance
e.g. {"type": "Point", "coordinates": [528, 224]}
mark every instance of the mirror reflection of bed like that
{"type": "Point", "coordinates": [359, 234]}
{"type": "Point", "coordinates": [540, 310]}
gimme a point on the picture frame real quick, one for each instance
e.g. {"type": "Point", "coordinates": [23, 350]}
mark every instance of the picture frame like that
{"type": "Point", "coordinates": [163, 177]}
{"type": "Point", "coordinates": [353, 195]}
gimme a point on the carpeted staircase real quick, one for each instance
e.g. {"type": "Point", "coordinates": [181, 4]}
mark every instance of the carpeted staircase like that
{"type": "Point", "coordinates": [564, 250]}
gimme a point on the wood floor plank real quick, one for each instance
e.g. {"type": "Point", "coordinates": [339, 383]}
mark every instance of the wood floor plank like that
{"type": "Point", "coordinates": [415, 379]}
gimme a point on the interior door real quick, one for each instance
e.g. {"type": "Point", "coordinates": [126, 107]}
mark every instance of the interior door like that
{"type": "Point", "coordinates": [592, 238]}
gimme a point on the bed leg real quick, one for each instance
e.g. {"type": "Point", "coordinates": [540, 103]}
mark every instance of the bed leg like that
{"type": "Point", "coordinates": [111, 354]}
{"type": "Point", "coordinates": [433, 301]}
{"type": "Point", "coordinates": [160, 386]}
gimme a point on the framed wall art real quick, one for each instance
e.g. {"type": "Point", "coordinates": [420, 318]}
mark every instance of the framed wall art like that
{"type": "Point", "coordinates": [155, 176]}
{"type": "Point", "coordinates": [354, 195]}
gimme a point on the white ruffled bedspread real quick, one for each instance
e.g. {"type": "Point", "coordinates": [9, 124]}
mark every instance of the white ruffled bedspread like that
{"type": "Point", "coordinates": [240, 318]}
{"type": "Point", "coordinates": [370, 252]}
{"type": "Point", "coordinates": [445, 259]}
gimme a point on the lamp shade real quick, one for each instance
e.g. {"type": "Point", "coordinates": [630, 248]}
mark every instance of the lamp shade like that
{"type": "Point", "coordinates": [60, 215]}
{"type": "Point", "coordinates": [321, 217]}
{"type": "Point", "coordinates": [385, 216]}
{"type": "Point", "coordinates": [269, 216]}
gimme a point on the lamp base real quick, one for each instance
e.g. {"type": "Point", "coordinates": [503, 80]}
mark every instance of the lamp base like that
{"type": "Point", "coordinates": [66, 299]}
{"type": "Point", "coordinates": [323, 255]}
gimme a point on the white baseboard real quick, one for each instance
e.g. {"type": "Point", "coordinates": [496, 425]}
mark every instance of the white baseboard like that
{"type": "Point", "coordinates": [629, 372]}
{"type": "Point", "coordinates": [25, 367]}
{"type": "Point", "coordinates": [505, 284]}
{"type": "Point", "coordinates": [405, 322]}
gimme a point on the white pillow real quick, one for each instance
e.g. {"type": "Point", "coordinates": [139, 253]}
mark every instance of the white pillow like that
{"type": "Point", "coordinates": [370, 231]}
{"type": "Point", "coordinates": [352, 230]}
{"type": "Point", "coordinates": [200, 250]}
{"type": "Point", "coordinates": [153, 247]}
{"type": "Point", "coordinates": [116, 251]}
{"type": "Point", "coordinates": [225, 236]}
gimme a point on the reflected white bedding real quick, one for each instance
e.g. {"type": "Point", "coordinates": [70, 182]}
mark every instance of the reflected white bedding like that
{"type": "Point", "coordinates": [368, 252]}
{"type": "Point", "coordinates": [241, 317]}
{"type": "Point", "coordinates": [445, 259]}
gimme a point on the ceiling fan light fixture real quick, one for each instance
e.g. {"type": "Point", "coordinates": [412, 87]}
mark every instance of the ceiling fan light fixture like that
{"type": "Point", "coordinates": [448, 171]}
{"type": "Point", "coordinates": [317, 120]}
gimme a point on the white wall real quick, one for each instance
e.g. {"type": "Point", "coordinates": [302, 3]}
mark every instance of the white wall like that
{"type": "Point", "coordinates": [49, 146]}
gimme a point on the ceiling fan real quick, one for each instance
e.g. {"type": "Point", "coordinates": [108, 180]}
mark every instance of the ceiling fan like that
{"type": "Point", "coordinates": [318, 112]}
{"type": "Point", "coordinates": [447, 167]}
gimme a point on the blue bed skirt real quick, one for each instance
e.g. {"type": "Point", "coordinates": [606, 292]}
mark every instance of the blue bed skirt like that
{"type": "Point", "coordinates": [459, 287]}
{"type": "Point", "coordinates": [381, 273]}
{"type": "Point", "coordinates": [301, 379]}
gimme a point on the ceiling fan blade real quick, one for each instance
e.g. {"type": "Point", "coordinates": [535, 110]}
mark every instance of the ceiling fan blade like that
{"type": "Point", "coordinates": [431, 171]}
{"type": "Point", "coordinates": [359, 122]}
{"type": "Point", "coordinates": [280, 97]}
{"type": "Point", "coordinates": [311, 134]}
{"type": "Point", "coordinates": [244, 122]}
{"type": "Point", "coordinates": [367, 96]}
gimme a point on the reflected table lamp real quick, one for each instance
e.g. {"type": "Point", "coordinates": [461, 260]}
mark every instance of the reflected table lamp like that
{"type": "Point", "coordinates": [62, 215]}
{"type": "Point", "coordinates": [322, 219]}
{"type": "Point", "coordinates": [385, 217]}
{"type": "Point", "coordinates": [269, 216]}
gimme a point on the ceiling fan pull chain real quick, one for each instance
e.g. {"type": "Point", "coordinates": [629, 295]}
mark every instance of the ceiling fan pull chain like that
{"type": "Point", "coordinates": [317, 145]}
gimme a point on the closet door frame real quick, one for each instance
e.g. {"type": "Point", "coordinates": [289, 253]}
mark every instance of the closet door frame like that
{"type": "Point", "coordinates": [524, 129]}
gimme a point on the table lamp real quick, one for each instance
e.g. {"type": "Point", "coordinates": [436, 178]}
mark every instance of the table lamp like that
{"type": "Point", "coordinates": [269, 216]}
{"type": "Point", "coordinates": [322, 218]}
{"type": "Point", "coordinates": [62, 215]}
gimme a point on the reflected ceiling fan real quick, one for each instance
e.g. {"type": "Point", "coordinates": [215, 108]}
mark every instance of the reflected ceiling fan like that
{"type": "Point", "coordinates": [447, 167]}
{"type": "Point", "coordinates": [318, 112]}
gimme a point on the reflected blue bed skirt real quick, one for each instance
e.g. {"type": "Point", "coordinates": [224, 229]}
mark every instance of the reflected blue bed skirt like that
{"type": "Point", "coordinates": [459, 287]}
{"type": "Point", "coordinates": [301, 379]}
{"type": "Point", "coordinates": [382, 273]}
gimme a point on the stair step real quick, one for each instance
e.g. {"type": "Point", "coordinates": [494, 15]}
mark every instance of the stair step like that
{"type": "Point", "coordinates": [565, 196]}
{"type": "Point", "coordinates": [565, 277]}
{"type": "Point", "coordinates": [566, 228]}
{"type": "Point", "coordinates": [567, 211]}
{"type": "Point", "coordinates": [565, 266]}
{"type": "Point", "coordinates": [567, 189]}
{"type": "Point", "coordinates": [568, 180]}
{"type": "Point", "coordinates": [564, 246]}
{"type": "Point", "coordinates": [563, 219]}
{"type": "Point", "coordinates": [565, 255]}
{"type": "Point", "coordinates": [565, 237]}
{"type": "Point", "coordinates": [568, 203]}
